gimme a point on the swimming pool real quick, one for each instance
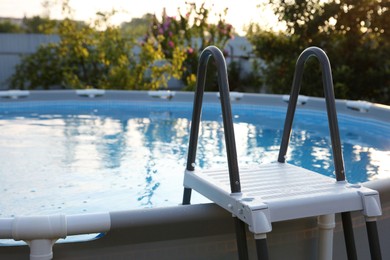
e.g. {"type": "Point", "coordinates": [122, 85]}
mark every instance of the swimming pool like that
{"type": "Point", "coordinates": [80, 155]}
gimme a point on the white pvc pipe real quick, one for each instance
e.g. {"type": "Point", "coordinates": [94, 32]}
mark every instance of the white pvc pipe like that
{"type": "Point", "coordinates": [41, 232]}
{"type": "Point", "coordinates": [88, 223]}
{"type": "Point", "coordinates": [6, 228]}
{"type": "Point", "coordinates": [41, 249]}
{"type": "Point", "coordinates": [39, 227]}
{"type": "Point", "coordinates": [326, 224]}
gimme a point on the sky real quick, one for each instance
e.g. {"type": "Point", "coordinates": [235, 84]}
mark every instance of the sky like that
{"type": "Point", "coordinates": [240, 13]}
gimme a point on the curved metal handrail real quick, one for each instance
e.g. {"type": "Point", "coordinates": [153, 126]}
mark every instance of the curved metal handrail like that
{"type": "Point", "coordinates": [327, 82]}
{"type": "Point", "coordinates": [231, 151]}
{"type": "Point", "coordinates": [226, 114]}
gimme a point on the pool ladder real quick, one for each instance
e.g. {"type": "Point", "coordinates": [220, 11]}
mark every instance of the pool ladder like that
{"type": "Point", "coordinates": [279, 191]}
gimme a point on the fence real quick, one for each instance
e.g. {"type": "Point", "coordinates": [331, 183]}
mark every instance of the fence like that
{"type": "Point", "coordinates": [14, 46]}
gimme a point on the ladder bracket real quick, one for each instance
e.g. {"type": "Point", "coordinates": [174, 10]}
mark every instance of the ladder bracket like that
{"type": "Point", "coordinates": [255, 214]}
{"type": "Point", "coordinates": [371, 203]}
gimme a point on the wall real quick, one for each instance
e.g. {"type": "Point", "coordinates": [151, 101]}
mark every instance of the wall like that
{"type": "Point", "coordinates": [13, 46]}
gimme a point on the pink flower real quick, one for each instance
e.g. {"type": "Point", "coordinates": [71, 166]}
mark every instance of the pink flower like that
{"type": "Point", "coordinates": [171, 44]}
{"type": "Point", "coordinates": [190, 50]}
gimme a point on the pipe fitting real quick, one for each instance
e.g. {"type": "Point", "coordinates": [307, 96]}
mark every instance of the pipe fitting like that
{"type": "Point", "coordinates": [41, 249]}
{"type": "Point", "coordinates": [39, 227]}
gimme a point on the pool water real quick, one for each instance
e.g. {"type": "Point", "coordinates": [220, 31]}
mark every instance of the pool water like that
{"type": "Point", "coordinates": [79, 157]}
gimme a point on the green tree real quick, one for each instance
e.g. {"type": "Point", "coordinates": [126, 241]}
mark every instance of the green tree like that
{"type": "Point", "coordinates": [192, 32]}
{"type": "Point", "coordinates": [137, 27]}
{"type": "Point", "coordinates": [7, 26]}
{"type": "Point", "coordinates": [38, 24]}
{"type": "Point", "coordinates": [354, 34]}
{"type": "Point", "coordinates": [88, 57]}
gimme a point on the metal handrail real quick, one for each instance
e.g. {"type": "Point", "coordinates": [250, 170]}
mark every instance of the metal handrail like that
{"type": "Point", "coordinates": [231, 151]}
{"type": "Point", "coordinates": [327, 82]}
{"type": "Point", "coordinates": [226, 114]}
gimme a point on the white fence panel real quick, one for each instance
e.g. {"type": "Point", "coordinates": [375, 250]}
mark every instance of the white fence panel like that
{"type": "Point", "coordinates": [14, 46]}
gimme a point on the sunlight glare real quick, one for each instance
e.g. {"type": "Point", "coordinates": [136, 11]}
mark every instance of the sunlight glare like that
{"type": "Point", "coordinates": [239, 14]}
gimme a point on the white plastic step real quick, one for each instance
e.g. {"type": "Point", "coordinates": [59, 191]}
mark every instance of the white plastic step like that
{"type": "Point", "coordinates": [281, 191]}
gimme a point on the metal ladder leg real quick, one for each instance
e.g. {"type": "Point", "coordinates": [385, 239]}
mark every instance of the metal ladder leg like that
{"type": "Point", "coordinates": [223, 84]}
{"type": "Point", "coordinates": [187, 196]}
{"type": "Point", "coordinates": [242, 246]}
{"type": "Point", "coordinates": [348, 235]}
{"type": "Point", "coordinates": [373, 239]}
{"type": "Point", "coordinates": [261, 247]}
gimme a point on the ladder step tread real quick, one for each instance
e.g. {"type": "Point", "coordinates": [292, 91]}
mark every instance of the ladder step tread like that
{"type": "Point", "coordinates": [288, 191]}
{"type": "Point", "coordinates": [275, 180]}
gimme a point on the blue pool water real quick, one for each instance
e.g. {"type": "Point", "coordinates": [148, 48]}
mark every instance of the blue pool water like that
{"type": "Point", "coordinates": [76, 157]}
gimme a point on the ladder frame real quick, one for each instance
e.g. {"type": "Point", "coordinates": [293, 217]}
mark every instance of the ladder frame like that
{"type": "Point", "coordinates": [234, 176]}
{"type": "Point", "coordinates": [233, 170]}
{"type": "Point", "coordinates": [338, 160]}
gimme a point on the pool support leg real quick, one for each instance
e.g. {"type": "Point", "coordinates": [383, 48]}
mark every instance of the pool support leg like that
{"type": "Point", "coordinates": [41, 249]}
{"type": "Point", "coordinates": [326, 225]}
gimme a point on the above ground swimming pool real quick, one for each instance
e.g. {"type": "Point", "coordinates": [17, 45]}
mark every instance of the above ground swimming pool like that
{"type": "Point", "coordinates": [62, 153]}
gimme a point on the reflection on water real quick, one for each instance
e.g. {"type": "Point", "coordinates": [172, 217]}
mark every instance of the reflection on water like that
{"type": "Point", "coordinates": [64, 162]}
